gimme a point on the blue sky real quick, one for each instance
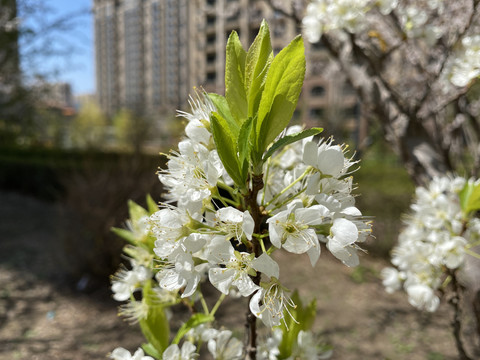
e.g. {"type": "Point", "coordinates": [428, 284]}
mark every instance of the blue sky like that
{"type": "Point", "coordinates": [77, 66]}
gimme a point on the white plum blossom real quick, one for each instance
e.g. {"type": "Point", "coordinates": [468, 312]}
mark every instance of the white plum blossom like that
{"type": "Point", "coordinates": [235, 223]}
{"type": "Point", "coordinates": [123, 354]}
{"type": "Point", "coordinates": [422, 297]}
{"type": "Point", "coordinates": [126, 282]}
{"type": "Point", "coordinates": [292, 228]}
{"type": "Point", "coordinates": [236, 268]}
{"type": "Point", "coordinates": [134, 310]}
{"type": "Point", "coordinates": [268, 348]}
{"type": "Point", "coordinates": [269, 303]}
{"type": "Point", "coordinates": [433, 242]}
{"type": "Point", "coordinates": [169, 225]}
{"type": "Point", "coordinates": [174, 352]}
{"type": "Point", "coordinates": [392, 279]}
{"type": "Point", "coordinates": [225, 347]}
{"type": "Point", "coordinates": [464, 65]}
{"type": "Point", "coordinates": [341, 242]}
{"type": "Point", "coordinates": [327, 158]}
{"type": "Point", "coordinates": [414, 21]}
{"type": "Point", "coordinates": [192, 172]}
{"type": "Point", "coordinates": [386, 6]}
{"type": "Point", "coordinates": [181, 272]}
{"type": "Point", "coordinates": [199, 119]}
{"type": "Point", "coordinates": [139, 228]}
{"type": "Point", "coordinates": [308, 348]}
{"type": "Point", "coordinates": [323, 16]}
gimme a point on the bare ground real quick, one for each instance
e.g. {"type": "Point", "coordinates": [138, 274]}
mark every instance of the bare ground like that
{"type": "Point", "coordinates": [42, 316]}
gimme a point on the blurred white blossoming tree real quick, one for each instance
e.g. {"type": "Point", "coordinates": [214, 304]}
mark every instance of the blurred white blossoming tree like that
{"type": "Point", "coordinates": [241, 186]}
{"type": "Point", "coordinates": [415, 66]}
{"type": "Point", "coordinates": [440, 233]}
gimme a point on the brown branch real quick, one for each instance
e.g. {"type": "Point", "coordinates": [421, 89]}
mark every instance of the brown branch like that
{"type": "Point", "coordinates": [293, 15]}
{"type": "Point", "coordinates": [455, 301]}
{"type": "Point", "coordinates": [476, 311]}
{"type": "Point", "coordinates": [253, 208]}
{"type": "Point", "coordinates": [448, 52]}
{"type": "Point", "coordinates": [375, 72]}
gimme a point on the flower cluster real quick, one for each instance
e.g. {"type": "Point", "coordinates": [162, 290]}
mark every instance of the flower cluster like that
{"type": "Point", "coordinates": [240, 186]}
{"type": "Point", "coordinates": [306, 201]}
{"type": "Point", "coordinates": [416, 20]}
{"type": "Point", "coordinates": [434, 242]}
{"type": "Point", "coordinates": [464, 66]}
{"type": "Point", "coordinates": [323, 16]}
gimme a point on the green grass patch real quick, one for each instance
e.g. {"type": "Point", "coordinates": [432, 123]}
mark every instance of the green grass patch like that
{"type": "Point", "coordinates": [385, 191]}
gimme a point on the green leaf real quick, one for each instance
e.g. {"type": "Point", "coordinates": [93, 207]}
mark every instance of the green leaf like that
{"type": "Point", "coordinates": [223, 109]}
{"type": "Point", "coordinates": [151, 205]}
{"type": "Point", "coordinates": [155, 326]}
{"type": "Point", "coordinates": [226, 147]}
{"type": "Point", "coordinates": [289, 139]}
{"type": "Point", "coordinates": [193, 322]}
{"type": "Point", "coordinates": [136, 212]}
{"type": "Point", "coordinates": [282, 90]}
{"type": "Point", "coordinates": [150, 350]}
{"type": "Point", "coordinates": [470, 197]}
{"type": "Point", "coordinates": [125, 234]}
{"type": "Point", "coordinates": [259, 58]}
{"type": "Point", "coordinates": [235, 78]}
{"type": "Point", "coordinates": [304, 316]}
{"type": "Point", "coordinates": [244, 147]}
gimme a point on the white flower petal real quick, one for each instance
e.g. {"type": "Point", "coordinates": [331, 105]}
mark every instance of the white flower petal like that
{"type": "Point", "coordinates": [121, 354]}
{"type": "Point", "coordinates": [266, 265]}
{"type": "Point", "coordinates": [344, 231]}
{"type": "Point", "coordinates": [222, 278]}
{"type": "Point", "coordinates": [331, 161]}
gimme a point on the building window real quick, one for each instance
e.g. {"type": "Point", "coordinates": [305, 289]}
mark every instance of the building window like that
{"type": "Point", "coordinates": [352, 111]}
{"type": "Point", "coordinates": [211, 38]}
{"type": "Point", "coordinates": [316, 113]}
{"type": "Point", "coordinates": [211, 76]}
{"type": "Point", "coordinates": [317, 91]}
{"type": "Point", "coordinates": [211, 19]}
{"type": "Point", "coordinates": [211, 57]}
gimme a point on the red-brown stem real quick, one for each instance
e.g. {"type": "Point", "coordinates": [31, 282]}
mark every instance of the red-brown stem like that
{"type": "Point", "coordinates": [251, 325]}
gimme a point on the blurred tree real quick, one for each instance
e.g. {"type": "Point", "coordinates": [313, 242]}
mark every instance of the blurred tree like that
{"type": "Point", "coordinates": [131, 130]}
{"type": "Point", "coordinates": [11, 91]}
{"type": "Point", "coordinates": [413, 66]}
{"type": "Point", "coordinates": [88, 129]}
{"type": "Point", "coordinates": [30, 34]}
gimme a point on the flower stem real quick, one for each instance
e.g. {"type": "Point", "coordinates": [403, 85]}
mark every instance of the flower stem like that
{"type": "Point", "coordinates": [289, 199]}
{"type": "Point", "coordinates": [204, 303]}
{"type": "Point", "coordinates": [472, 253]}
{"type": "Point", "coordinates": [297, 180]}
{"type": "Point", "coordinates": [217, 304]}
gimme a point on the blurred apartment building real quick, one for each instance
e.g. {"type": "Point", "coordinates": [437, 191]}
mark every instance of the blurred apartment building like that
{"type": "Point", "coordinates": [150, 54]}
